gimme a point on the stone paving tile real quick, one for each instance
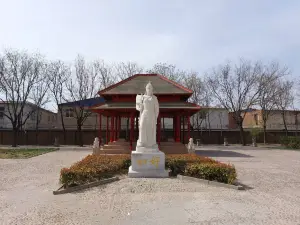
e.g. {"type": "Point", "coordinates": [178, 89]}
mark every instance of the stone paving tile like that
{"type": "Point", "coordinates": [274, 198]}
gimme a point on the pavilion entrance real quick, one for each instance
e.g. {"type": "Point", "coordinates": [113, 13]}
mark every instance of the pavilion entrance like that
{"type": "Point", "coordinates": [119, 107]}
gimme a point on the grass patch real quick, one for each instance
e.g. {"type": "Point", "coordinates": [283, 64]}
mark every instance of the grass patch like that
{"type": "Point", "coordinates": [24, 153]}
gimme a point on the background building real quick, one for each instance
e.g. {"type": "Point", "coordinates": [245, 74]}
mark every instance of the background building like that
{"type": "Point", "coordinates": [40, 118]}
{"type": "Point", "coordinates": [275, 119]}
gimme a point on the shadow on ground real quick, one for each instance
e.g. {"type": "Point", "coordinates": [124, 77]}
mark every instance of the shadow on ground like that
{"type": "Point", "coordinates": [219, 153]}
{"type": "Point", "coordinates": [246, 187]}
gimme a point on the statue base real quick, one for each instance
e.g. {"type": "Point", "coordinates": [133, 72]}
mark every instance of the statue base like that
{"type": "Point", "coordinates": [149, 164]}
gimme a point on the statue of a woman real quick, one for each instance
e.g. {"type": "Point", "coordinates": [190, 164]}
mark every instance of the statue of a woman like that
{"type": "Point", "coordinates": [148, 106]}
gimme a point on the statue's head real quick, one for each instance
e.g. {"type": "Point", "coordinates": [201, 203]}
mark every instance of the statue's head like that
{"type": "Point", "coordinates": [191, 140]}
{"type": "Point", "coordinates": [149, 89]}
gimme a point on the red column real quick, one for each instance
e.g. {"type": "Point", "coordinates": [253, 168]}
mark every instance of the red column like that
{"type": "Point", "coordinates": [100, 128]}
{"type": "Point", "coordinates": [136, 127]}
{"type": "Point", "coordinates": [107, 136]}
{"type": "Point", "coordinates": [116, 128]}
{"type": "Point", "coordinates": [177, 128]}
{"type": "Point", "coordinates": [173, 129]}
{"type": "Point", "coordinates": [183, 129]}
{"type": "Point", "coordinates": [112, 129]}
{"type": "Point", "coordinates": [120, 119]}
{"type": "Point", "coordinates": [158, 130]}
{"type": "Point", "coordinates": [131, 130]}
{"type": "Point", "coordinates": [189, 127]}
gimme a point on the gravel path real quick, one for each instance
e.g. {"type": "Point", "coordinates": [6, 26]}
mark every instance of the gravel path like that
{"type": "Point", "coordinates": [26, 194]}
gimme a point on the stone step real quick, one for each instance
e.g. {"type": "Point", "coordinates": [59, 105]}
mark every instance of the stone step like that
{"type": "Point", "coordinates": [115, 147]}
{"type": "Point", "coordinates": [123, 147]}
{"type": "Point", "coordinates": [173, 151]}
{"type": "Point", "coordinates": [115, 151]}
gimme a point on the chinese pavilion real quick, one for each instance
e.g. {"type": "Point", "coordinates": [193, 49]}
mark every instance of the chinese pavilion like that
{"type": "Point", "coordinates": [120, 103]}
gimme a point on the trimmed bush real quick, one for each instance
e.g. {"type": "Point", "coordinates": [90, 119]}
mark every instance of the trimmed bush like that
{"type": "Point", "coordinates": [94, 167]}
{"type": "Point", "coordinates": [212, 171]}
{"type": "Point", "coordinates": [291, 142]}
{"type": "Point", "coordinates": [200, 167]}
{"type": "Point", "coordinates": [177, 163]}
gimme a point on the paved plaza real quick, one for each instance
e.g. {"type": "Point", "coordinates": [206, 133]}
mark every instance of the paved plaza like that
{"type": "Point", "coordinates": [272, 196]}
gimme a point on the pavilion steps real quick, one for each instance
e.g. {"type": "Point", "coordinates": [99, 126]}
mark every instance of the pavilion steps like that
{"type": "Point", "coordinates": [173, 148]}
{"type": "Point", "coordinates": [123, 147]}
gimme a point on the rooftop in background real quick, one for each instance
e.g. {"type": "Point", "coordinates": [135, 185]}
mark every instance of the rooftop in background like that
{"type": "Point", "coordinates": [86, 102]}
{"type": "Point", "coordinates": [213, 107]}
{"type": "Point", "coordinates": [272, 110]}
{"type": "Point", "coordinates": [136, 85]}
{"type": "Point", "coordinates": [27, 103]}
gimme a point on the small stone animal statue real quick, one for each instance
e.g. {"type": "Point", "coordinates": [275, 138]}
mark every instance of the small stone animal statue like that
{"type": "Point", "coordinates": [96, 145]}
{"type": "Point", "coordinates": [191, 146]}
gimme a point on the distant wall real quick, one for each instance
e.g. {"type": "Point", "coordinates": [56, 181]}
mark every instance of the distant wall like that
{"type": "Point", "coordinates": [46, 137]}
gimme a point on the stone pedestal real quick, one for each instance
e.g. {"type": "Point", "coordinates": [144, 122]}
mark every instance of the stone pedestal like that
{"type": "Point", "coordinates": [149, 164]}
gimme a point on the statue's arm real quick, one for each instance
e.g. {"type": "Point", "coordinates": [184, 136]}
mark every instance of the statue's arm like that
{"type": "Point", "coordinates": [139, 104]}
{"type": "Point", "coordinates": [156, 107]}
{"type": "Point", "coordinates": [139, 107]}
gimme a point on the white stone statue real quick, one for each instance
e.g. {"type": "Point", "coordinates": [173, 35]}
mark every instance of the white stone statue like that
{"type": "Point", "coordinates": [191, 146]}
{"type": "Point", "coordinates": [147, 160]}
{"type": "Point", "coordinates": [96, 145]}
{"type": "Point", "coordinates": [148, 106]}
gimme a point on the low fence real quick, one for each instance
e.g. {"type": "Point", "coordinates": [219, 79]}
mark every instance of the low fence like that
{"type": "Point", "coordinates": [46, 137]}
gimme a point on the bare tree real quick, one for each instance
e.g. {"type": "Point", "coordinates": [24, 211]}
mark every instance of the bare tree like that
{"type": "Point", "coordinates": [236, 88]}
{"type": "Point", "coordinates": [296, 102]}
{"type": "Point", "coordinates": [58, 74]}
{"type": "Point", "coordinates": [104, 73]}
{"type": "Point", "coordinates": [40, 97]}
{"type": "Point", "coordinates": [194, 83]}
{"type": "Point", "coordinates": [125, 70]}
{"type": "Point", "coordinates": [201, 97]}
{"type": "Point", "coordinates": [269, 91]}
{"type": "Point", "coordinates": [284, 100]}
{"type": "Point", "coordinates": [20, 72]}
{"type": "Point", "coordinates": [170, 71]}
{"type": "Point", "coordinates": [83, 86]}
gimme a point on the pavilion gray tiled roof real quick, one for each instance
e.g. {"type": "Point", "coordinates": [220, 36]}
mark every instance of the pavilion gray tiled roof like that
{"type": "Point", "coordinates": [137, 84]}
{"type": "Point", "coordinates": [162, 105]}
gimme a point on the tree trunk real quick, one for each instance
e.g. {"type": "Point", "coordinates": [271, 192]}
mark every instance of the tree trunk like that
{"type": "Point", "coordinates": [127, 128]}
{"type": "Point", "coordinates": [242, 136]}
{"type": "Point", "coordinates": [284, 123]}
{"type": "Point", "coordinates": [37, 130]}
{"type": "Point", "coordinates": [79, 134]}
{"type": "Point", "coordinates": [15, 137]}
{"type": "Point", "coordinates": [63, 125]}
{"type": "Point", "coordinates": [209, 130]}
{"type": "Point", "coordinates": [198, 129]}
{"type": "Point", "coordinates": [164, 128]}
{"type": "Point", "coordinates": [265, 133]}
{"type": "Point", "coordinates": [36, 135]}
{"type": "Point", "coordinates": [296, 123]}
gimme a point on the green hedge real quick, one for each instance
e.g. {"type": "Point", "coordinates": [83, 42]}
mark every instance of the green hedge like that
{"type": "Point", "coordinates": [290, 142]}
{"type": "Point", "coordinates": [95, 167]}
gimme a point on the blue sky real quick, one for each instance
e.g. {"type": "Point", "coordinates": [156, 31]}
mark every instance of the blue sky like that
{"type": "Point", "coordinates": [194, 35]}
